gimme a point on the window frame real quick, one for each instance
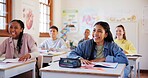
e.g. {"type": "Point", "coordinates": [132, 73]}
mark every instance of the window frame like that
{"type": "Point", "coordinates": [46, 34]}
{"type": "Point", "coordinates": [5, 33]}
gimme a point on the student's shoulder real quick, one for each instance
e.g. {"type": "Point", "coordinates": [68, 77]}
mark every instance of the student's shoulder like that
{"type": "Point", "coordinates": [8, 39]}
{"type": "Point", "coordinates": [47, 40]}
{"type": "Point", "coordinates": [26, 35]}
{"type": "Point", "coordinates": [127, 42]}
{"type": "Point", "coordinates": [111, 44]}
{"type": "Point", "coordinates": [60, 39]}
{"type": "Point", "coordinates": [87, 42]}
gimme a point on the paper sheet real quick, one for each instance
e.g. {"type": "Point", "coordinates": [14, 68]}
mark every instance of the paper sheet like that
{"type": "Point", "coordinates": [11, 60]}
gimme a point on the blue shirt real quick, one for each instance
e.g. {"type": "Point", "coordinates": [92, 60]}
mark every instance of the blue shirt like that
{"type": "Point", "coordinates": [112, 52]}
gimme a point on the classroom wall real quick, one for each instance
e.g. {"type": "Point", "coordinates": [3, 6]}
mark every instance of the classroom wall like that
{"type": "Point", "coordinates": [117, 9]}
{"type": "Point", "coordinates": [20, 10]}
{"type": "Point", "coordinates": [136, 31]}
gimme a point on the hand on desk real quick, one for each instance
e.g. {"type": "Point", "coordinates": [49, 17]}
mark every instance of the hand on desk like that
{"type": "Point", "coordinates": [25, 57]}
{"type": "Point", "coordinates": [87, 62]}
{"type": "Point", "coordinates": [84, 61]}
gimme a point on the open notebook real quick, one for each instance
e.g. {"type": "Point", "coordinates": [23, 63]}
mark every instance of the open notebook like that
{"type": "Point", "coordinates": [11, 60]}
{"type": "Point", "coordinates": [106, 65]}
{"type": "Point", "coordinates": [56, 53]}
{"type": "Point", "coordinates": [133, 55]}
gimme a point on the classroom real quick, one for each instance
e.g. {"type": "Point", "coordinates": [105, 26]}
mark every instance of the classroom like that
{"type": "Point", "coordinates": [72, 18]}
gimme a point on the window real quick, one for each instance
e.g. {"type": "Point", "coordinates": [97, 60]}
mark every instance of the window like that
{"type": "Point", "coordinates": [5, 16]}
{"type": "Point", "coordinates": [46, 9]}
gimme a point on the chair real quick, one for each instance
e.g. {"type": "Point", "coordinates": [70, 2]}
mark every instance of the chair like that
{"type": "Point", "coordinates": [131, 69]}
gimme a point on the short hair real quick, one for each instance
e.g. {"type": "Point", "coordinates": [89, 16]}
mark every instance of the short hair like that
{"type": "Point", "coordinates": [106, 27]}
{"type": "Point", "coordinates": [87, 29]}
{"type": "Point", "coordinates": [54, 27]}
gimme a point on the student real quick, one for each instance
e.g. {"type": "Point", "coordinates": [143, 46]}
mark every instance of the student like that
{"type": "Point", "coordinates": [121, 40]}
{"type": "Point", "coordinates": [101, 48]}
{"type": "Point", "coordinates": [18, 45]}
{"type": "Point", "coordinates": [53, 43]}
{"type": "Point", "coordinates": [86, 34]}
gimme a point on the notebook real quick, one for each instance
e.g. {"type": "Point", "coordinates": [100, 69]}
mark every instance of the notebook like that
{"type": "Point", "coordinates": [106, 64]}
{"type": "Point", "coordinates": [11, 60]}
{"type": "Point", "coordinates": [133, 55]}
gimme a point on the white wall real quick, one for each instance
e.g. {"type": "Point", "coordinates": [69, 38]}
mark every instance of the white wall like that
{"type": "Point", "coordinates": [102, 7]}
{"type": "Point", "coordinates": [18, 6]}
{"type": "Point", "coordinates": [119, 8]}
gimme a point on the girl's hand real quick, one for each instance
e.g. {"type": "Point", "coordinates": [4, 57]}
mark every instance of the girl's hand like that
{"type": "Point", "coordinates": [25, 57]}
{"type": "Point", "coordinates": [87, 62]}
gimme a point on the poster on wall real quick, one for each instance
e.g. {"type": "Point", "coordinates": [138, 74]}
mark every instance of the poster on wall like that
{"type": "Point", "coordinates": [87, 19]}
{"type": "Point", "coordinates": [70, 19]}
{"type": "Point", "coordinates": [28, 13]}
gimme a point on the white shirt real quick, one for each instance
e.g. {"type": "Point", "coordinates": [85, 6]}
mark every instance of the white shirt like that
{"type": "Point", "coordinates": [58, 44]}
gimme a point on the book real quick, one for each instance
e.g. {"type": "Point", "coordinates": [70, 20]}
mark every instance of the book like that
{"type": "Point", "coordinates": [56, 53]}
{"type": "Point", "coordinates": [106, 64]}
{"type": "Point", "coordinates": [133, 55]}
{"type": "Point", "coordinates": [11, 60]}
{"type": "Point", "coordinates": [43, 51]}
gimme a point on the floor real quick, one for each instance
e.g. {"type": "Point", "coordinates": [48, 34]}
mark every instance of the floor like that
{"type": "Point", "coordinates": [143, 74]}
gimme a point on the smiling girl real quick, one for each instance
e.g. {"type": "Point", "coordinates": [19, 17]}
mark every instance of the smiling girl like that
{"type": "Point", "coordinates": [18, 45]}
{"type": "Point", "coordinates": [101, 48]}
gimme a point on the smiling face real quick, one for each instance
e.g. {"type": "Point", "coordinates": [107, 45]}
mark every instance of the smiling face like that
{"type": "Point", "coordinates": [99, 34]}
{"type": "Point", "coordinates": [15, 29]}
{"type": "Point", "coordinates": [119, 33]}
{"type": "Point", "coordinates": [53, 32]}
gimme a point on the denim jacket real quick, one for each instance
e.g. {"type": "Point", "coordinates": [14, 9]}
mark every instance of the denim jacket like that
{"type": "Point", "coordinates": [112, 52]}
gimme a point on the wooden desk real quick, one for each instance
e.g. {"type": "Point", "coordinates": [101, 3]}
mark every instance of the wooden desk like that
{"type": "Point", "coordinates": [8, 70]}
{"type": "Point", "coordinates": [133, 62]}
{"type": "Point", "coordinates": [54, 71]}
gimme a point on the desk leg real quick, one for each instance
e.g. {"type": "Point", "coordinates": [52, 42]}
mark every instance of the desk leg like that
{"type": "Point", "coordinates": [33, 72]}
{"type": "Point", "coordinates": [138, 69]}
{"type": "Point", "coordinates": [135, 69]}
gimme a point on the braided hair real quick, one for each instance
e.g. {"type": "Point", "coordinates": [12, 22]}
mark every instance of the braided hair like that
{"type": "Point", "coordinates": [19, 42]}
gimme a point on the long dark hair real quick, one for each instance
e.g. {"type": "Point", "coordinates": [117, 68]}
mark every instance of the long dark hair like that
{"type": "Point", "coordinates": [106, 27]}
{"type": "Point", "coordinates": [19, 42]}
{"type": "Point", "coordinates": [124, 36]}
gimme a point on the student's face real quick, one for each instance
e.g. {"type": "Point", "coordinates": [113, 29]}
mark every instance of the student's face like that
{"type": "Point", "coordinates": [99, 34]}
{"type": "Point", "coordinates": [87, 33]}
{"type": "Point", "coordinates": [119, 32]}
{"type": "Point", "coordinates": [15, 29]}
{"type": "Point", "coordinates": [53, 33]}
